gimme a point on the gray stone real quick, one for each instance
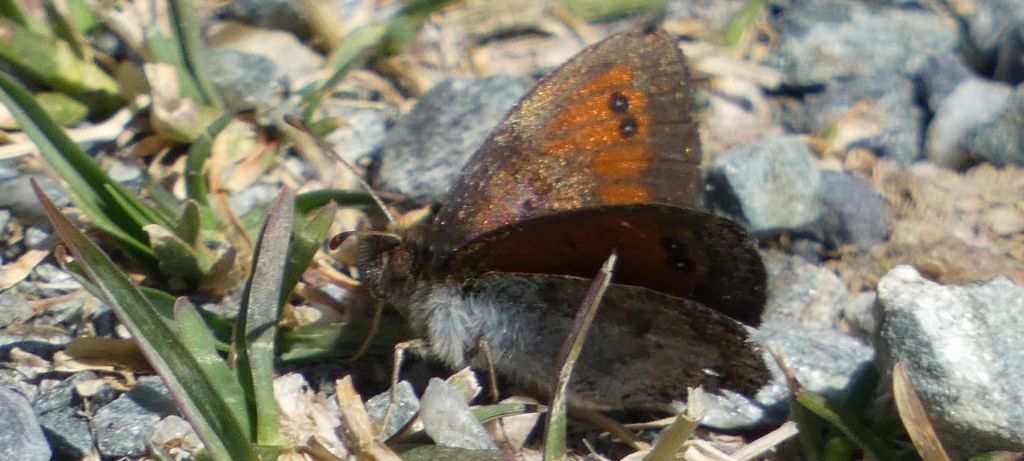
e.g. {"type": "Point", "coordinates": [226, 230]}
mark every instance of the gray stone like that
{"type": "Point", "coordinates": [243, 80]}
{"type": "Point", "coordinates": [1001, 141]}
{"type": "Point", "coordinates": [942, 74]}
{"type": "Point", "coordinates": [62, 395]}
{"type": "Point", "coordinates": [1010, 59]}
{"type": "Point", "coordinates": [891, 118]}
{"type": "Point", "coordinates": [21, 437]}
{"type": "Point", "coordinates": [68, 434]}
{"type": "Point", "coordinates": [122, 427]}
{"type": "Point", "coordinates": [360, 133]}
{"type": "Point", "coordinates": [254, 196]}
{"type": "Point", "coordinates": [772, 185]}
{"type": "Point", "coordinates": [36, 237]}
{"type": "Point", "coordinates": [713, 14]}
{"type": "Point", "coordinates": [290, 60]}
{"type": "Point", "coordinates": [962, 348]}
{"type": "Point", "coordinates": [826, 40]}
{"type": "Point", "coordinates": [854, 214]}
{"type": "Point", "coordinates": [862, 316]}
{"type": "Point", "coordinates": [404, 410]}
{"type": "Point", "coordinates": [448, 420]}
{"type": "Point", "coordinates": [802, 293]}
{"type": "Point", "coordinates": [277, 14]}
{"type": "Point", "coordinates": [972, 105]}
{"type": "Point", "coordinates": [13, 308]}
{"type": "Point", "coordinates": [825, 362]}
{"type": "Point", "coordinates": [988, 25]}
{"type": "Point", "coordinates": [17, 197]}
{"type": "Point", "coordinates": [5, 218]}
{"type": "Point", "coordinates": [49, 273]}
{"type": "Point", "coordinates": [428, 147]}
{"type": "Point", "coordinates": [14, 380]}
{"type": "Point", "coordinates": [176, 437]}
{"type": "Point", "coordinates": [124, 172]}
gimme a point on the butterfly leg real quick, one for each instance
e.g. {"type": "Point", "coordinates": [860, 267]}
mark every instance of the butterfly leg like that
{"type": "Point", "coordinates": [374, 329]}
{"type": "Point", "coordinates": [399, 357]}
{"type": "Point", "coordinates": [483, 347]}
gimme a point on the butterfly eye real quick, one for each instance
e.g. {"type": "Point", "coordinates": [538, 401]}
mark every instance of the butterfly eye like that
{"type": "Point", "coordinates": [400, 264]}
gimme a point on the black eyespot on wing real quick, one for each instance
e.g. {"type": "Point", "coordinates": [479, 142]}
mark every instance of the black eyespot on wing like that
{"type": "Point", "coordinates": [618, 102]}
{"type": "Point", "coordinates": [628, 127]}
{"type": "Point", "coordinates": [677, 255]}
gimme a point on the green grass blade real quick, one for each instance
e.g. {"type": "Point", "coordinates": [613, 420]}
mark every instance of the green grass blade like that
{"type": "Point", "coordinates": [189, 225]}
{"type": "Point", "coordinates": [306, 202]}
{"type": "Point", "coordinates": [190, 43]}
{"type": "Point", "coordinates": [203, 346]}
{"type": "Point", "coordinates": [599, 10]}
{"type": "Point", "coordinates": [139, 212]}
{"type": "Point", "coordinates": [743, 20]}
{"type": "Point", "coordinates": [338, 341]}
{"type": "Point", "coordinates": [851, 427]}
{"type": "Point", "coordinates": [53, 61]}
{"type": "Point", "coordinates": [256, 325]}
{"type": "Point", "coordinates": [87, 181]}
{"type": "Point", "coordinates": [164, 349]}
{"type": "Point", "coordinates": [198, 154]}
{"type": "Point", "coordinates": [307, 241]}
{"type": "Point", "coordinates": [359, 45]}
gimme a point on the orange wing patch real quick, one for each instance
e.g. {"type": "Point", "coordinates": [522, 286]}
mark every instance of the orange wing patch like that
{"type": "Point", "coordinates": [607, 118]}
{"type": "Point", "coordinates": [623, 193]}
{"type": "Point", "coordinates": [624, 161]}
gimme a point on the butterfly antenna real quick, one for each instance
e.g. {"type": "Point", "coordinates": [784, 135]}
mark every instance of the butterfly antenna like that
{"type": "Point", "coordinates": [297, 124]}
{"type": "Point", "coordinates": [337, 240]}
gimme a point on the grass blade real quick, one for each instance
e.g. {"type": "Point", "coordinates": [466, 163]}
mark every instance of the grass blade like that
{"type": "Point", "coordinates": [337, 341]}
{"type": "Point", "coordinates": [557, 418]}
{"type": "Point", "coordinates": [866, 440]}
{"type": "Point", "coordinates": [914, 418]}
{"type": "Point", "coordinates": [203, 346]}
{"type": "Point", "coordinates": [185, 27]}
{"type": "Point", "coordinates": [306, 202]}
{"type": "Point", "coordinates": [212, 418]}
{"type": "Point", "coordinates": [256, 325]}
{"type": "Point", "coordinates": [307, 241]}
{"type": "Point", "coordinates": [90, 186]}
{"type": "Point", "coordinates": [195, 160]}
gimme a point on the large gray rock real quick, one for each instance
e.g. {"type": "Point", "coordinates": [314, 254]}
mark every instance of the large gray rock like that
{"type": "Point", "coordinates": [21, 437]}
{"type": "Point", "coordinates": [988, 25]}
{"type": "Point", "coordinates": [854, 214]}
{"type": "Point", "coordinates": [963, 349]}
{"type": "Point", "coordinates": [1001, 140]}
{"type": "Point", "coordinates": [888, 119]}
{"type": "Point", "coordinates": [802, 293]}
{"type": "Point", "coordinates": [771, 185]}
{"type": "Point", "coordinates": [827, 40]}
{"type": "Point", "coordinates": [243, 80]}
{"type": "Point", "coordinates": [941, 75]}
{"type": "Point", "coordinates": [972, 105]}
{"type": "Point", "coordinates": [123, 426]}
{"type": "Point", "coordinates": [68, 433]}
{"type": "Point", "coordinates": [428, 147]}
{"type": "Point", "coordinates": [824, 361]}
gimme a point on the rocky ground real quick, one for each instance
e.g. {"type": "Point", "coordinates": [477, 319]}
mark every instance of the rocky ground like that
{"type": "Point", "coordinates": [874, 148]}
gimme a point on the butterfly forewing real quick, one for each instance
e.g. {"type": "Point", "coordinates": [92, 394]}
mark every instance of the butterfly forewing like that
{"type": "Point", "coordinates": [610, 127]}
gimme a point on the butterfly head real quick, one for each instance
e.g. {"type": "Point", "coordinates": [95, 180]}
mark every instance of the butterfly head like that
{"type": "Point", "coordinates": [389, 264]}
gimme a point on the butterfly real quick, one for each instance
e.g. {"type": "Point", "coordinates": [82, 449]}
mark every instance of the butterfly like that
{"type": "Point", "coordinates": [603, 154]}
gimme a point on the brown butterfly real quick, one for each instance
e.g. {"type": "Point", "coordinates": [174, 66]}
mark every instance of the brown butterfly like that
{"type": "Point", "coordinates": [602, 154]}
